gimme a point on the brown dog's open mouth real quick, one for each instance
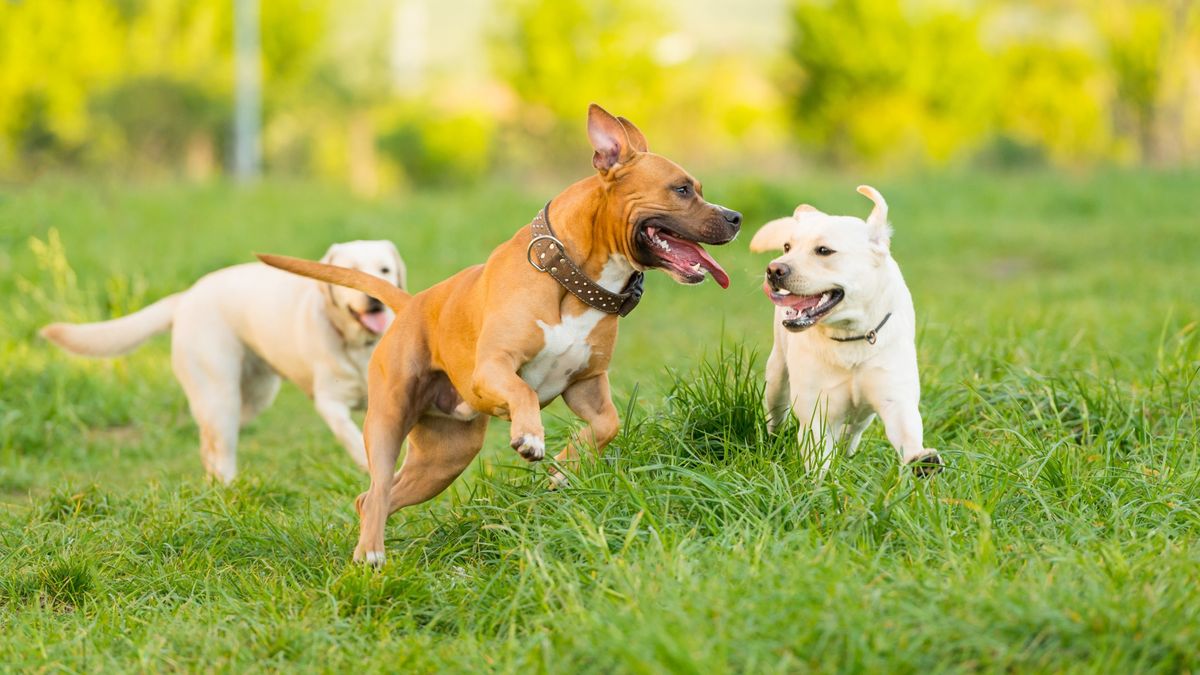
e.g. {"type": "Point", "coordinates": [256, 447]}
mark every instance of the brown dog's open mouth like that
{"type": "Point", "coordinates": [685, 258]}
{"type": "Point", "coordinates": [803, 311]}
{"type": "Point", "coordinates": [376, 322]}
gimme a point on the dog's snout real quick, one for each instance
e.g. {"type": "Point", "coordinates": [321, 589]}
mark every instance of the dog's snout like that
{"type": "Point", "coordinates": [778, 270]}
{"type": "Point", "coordinates": [374, 305]}
{"type": "Point", "coordinates": [732, 217]}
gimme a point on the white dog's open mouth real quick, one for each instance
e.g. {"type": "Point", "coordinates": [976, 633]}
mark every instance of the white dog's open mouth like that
{"type": "Point", "coordinates": [375, 322]}
{"type": "Point", "coordinates": [803, 311]}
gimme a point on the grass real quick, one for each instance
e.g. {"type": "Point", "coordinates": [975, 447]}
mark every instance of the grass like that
{"type": "Point", "coordinates": [1059, 358]}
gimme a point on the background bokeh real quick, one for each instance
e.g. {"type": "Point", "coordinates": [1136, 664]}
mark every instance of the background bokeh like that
{"type": "Point", "coordinates": [1039, 161]}
{"type": "Point", "coordinates": [389, 95]}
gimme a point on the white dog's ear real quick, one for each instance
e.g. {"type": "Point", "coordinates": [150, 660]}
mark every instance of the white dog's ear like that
{"type": "Point", "coordinates": [881, 232]}
{"type": "Point", "coordinates": [401, 269]}
{"type": "Point", "coordinates": [329, 254]}
{"type": "Point", "coordinates": [773, 235]}
{"type": "Point", "coordinates": [806, 209]}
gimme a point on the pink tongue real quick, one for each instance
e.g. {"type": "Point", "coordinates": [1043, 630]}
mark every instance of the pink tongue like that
{"type": "Point", "coordinates": [376, 322]}
{"type": "Point", "coordinates": [792, 301]}
{"type": "Point", "coordinates": [686, 254]}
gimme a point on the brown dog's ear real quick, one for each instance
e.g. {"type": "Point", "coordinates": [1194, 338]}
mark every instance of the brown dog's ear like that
{"type": "Point", "coordinates": [636, 137]}
{"type": "Point", "coordinates": [773, 235]}
{"type": "Point", "coordinates": [881, 232]}
{"type": "Point", "coordinates": [608, 138]}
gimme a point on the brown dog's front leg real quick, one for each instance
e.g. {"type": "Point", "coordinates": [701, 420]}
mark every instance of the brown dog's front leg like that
{"type": "Point", "coordinates": [591, 400]}
{"type": "Point", "coordinates": [498, 385]}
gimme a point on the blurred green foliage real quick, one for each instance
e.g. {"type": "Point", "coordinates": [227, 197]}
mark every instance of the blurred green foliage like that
{"type": "Point", "coordinates": [145, 86]}
{"type": "Point", "coordinates": [891, 80]}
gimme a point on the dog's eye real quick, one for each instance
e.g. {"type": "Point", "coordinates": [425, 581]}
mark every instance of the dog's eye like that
{"type": "Point", "coordinates": [684, 189]}
{"type": "Point", "coordinates": [787, 247]}
{"type": "Point", "coordinates": [385, 270]}
{"type": "Point", "coordinates": [824, 250]}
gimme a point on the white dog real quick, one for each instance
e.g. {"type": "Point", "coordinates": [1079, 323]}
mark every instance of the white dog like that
{"type": "Point", "coordinates": [236, 331]}
{"type": "Point", "coordinates": [845, 346]}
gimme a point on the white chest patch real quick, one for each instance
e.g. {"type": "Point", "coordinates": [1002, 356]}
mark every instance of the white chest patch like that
{"type": "Point", "coordinates": [566, 350]}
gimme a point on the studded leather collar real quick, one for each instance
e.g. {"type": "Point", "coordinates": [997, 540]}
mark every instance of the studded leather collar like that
{"type": "Point", "coordinates": [547, 254]}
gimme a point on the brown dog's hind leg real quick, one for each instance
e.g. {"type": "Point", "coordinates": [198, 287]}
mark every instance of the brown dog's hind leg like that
{"type": "Point", "coordinates": [384, 434]}
{"type": "Point", "coordinates": [439, 449]}
{"type": "Point", "coordinates": [391, 414]}
{"type": "Point", "coordinates": [591, 400]}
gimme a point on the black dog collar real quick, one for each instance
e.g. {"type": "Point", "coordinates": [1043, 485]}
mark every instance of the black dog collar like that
{"type": "Point", "coordinates": [870, 336]}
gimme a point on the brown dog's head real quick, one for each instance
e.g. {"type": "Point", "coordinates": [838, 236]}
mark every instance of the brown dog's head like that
{"type": "Point", "coordinates": [661, 203]}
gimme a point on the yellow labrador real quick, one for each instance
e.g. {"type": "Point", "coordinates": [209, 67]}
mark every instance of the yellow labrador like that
{"type": "Point", "coordinates": [845, 347]}
{"type": "Point", "coordinates": [238, 330]}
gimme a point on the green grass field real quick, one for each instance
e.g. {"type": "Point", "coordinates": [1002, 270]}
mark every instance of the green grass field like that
{"type": "Point", "coordinates": [1057, 328]}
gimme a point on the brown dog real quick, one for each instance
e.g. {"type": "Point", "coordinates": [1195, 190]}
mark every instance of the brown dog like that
{"type": "Point", "coordinates": [537, 320]}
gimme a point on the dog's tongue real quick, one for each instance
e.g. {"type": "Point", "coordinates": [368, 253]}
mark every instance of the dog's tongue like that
{"type": "Point", "coordinates": [798, 302]}
{"type": "Point", "coordinates": [376, 322]}
{"type": "Point", "coordinates": [685, 254]}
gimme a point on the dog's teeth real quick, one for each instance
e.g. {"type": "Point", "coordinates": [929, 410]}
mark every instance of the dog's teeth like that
{"type": "Point", "coordinates": [783, 291]}
{"type": "Point", "coordinates": [824, 299]}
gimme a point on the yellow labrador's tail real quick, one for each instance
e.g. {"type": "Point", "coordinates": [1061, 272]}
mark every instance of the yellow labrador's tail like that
{"type": "Point", "coordinates": [342, 276]}
{"type": "Point", "coordinates": [115, 337]}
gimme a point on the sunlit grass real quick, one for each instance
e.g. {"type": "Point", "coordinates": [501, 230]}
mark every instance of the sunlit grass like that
{"type": "Point", "coordinates": [1059, 361]}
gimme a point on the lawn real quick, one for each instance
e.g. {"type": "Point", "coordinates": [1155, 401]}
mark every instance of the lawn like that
{"type": "Point", "coordinates": [1058, 338]}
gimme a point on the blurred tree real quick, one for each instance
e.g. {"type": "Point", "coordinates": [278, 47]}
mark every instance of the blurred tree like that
{"type": "Point", "coordinates": [883, 79]}
{"type": "Point", "coordinates": [165, 122]}
{"type": "Point", "coordinates": [437, 147]}
{"type": "Point", "coordinates": [1143, 39]}
{"type": "Point", "coordinates": [1053, 91]}
{"type": "Point", "coordinates": [52, 54]}
{"type": "Point", "coordinates": [560, 55]}
{"type": "Point", "coordinates": [897, 80]}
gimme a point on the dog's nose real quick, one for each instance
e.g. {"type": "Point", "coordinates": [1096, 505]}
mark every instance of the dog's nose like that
{"type": "Point", "coordinates": [733, 217]}
{"type": "Point", "coordinates": [778, 270]}
{"type": "Point", "coordinates": [374, 305]}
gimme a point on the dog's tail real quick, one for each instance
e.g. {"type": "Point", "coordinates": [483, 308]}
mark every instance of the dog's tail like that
{"type": "Point", "coordinates": [381, 289]}
{"type": "Point", "coordinates": [115, 337]}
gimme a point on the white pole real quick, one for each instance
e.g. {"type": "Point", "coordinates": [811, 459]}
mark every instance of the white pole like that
{"type": "Point", "coordinates": [247, 149]}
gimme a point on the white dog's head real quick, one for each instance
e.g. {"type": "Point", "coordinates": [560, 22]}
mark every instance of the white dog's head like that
{"type": "Point", "coordinates": [831, 265]}
{"type": "Point", "coordinates": [355, 313]}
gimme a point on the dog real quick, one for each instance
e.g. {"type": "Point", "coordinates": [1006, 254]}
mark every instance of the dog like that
{"type": "Point", "coordinates": [238, 330]}
{"type": "Point", "coordinates": [845, 343]}
{"type": "Point", "coordinates": [537, 321]}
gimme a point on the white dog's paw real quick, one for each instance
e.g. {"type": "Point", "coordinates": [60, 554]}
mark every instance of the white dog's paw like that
{"type": "Point", "coordinates": [530, 447]}
{"type": "Point", "coordinates": [926, 464]}
{"type": "Point", "coordinates": [559, 481]}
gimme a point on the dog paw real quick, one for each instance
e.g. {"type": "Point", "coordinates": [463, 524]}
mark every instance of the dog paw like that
{"type": "Point", "coordinates": [927, 464]}
{"type": "Point", "coordinates": [531, 448]}
{"type": "Point", "coordinates": [559, 481]}
{"type": "Point", "coordinates": [373, 558]}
